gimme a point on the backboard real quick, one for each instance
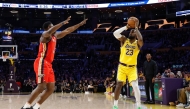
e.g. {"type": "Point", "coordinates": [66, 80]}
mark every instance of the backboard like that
{"type": "Point", "coordinates": [8, 52]}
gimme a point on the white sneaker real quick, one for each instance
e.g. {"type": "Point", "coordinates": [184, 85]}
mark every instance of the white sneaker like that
{"type": "Point", "coordinates": [105, 93]}
{"type": "Point", "coordinates": [187, 107]}
{"type": "Point", "coordinates": [112, 94]}
{"type": "Point", "coordinates": [86, 93]}
{"type": "Point", "coordinates": [180, 105]}
{"type": "Point", "coordinates": [120, 96]}
{"type": "Point", "coordinates": [124, 96]}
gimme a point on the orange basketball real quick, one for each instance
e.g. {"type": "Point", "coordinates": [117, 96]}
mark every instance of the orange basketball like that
{"type": "Point", "coordinates": [131, 22]}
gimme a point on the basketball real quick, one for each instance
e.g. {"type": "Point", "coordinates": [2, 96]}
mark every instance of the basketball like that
{"type": "Point", "coordinates": [131, 22]}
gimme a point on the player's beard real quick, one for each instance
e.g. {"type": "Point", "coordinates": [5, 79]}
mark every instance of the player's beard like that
{"type": "Point", "coordinates": [131, 37]}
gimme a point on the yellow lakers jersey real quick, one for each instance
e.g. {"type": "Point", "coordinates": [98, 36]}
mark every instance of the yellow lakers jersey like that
{"type": "Point", "coordinates": [129, 52]}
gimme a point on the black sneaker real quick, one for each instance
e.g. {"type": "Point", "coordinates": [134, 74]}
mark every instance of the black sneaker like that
{"type": "Point", "coordinates": [146, 102]}
{"type": "Point", "coordinates": [152, 102]}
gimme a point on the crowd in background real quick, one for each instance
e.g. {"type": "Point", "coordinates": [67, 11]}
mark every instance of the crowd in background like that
{"type": "Point", "coordinates": [80, 42]}
{"type": "Point", "coordinates": [90, 68]}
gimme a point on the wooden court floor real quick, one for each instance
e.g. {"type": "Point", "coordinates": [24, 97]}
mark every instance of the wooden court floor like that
{"type": "Point", "coordinates": [74, 101]}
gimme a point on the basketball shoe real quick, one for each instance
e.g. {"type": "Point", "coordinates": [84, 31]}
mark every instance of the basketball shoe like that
{"type": "Point", "coordinates": [139, 108]}
{"type": "Point", "coordinates": [115, 107]}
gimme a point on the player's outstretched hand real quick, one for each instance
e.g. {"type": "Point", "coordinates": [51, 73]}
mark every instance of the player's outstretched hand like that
{"type": "Point", "coordinates": [83, 22]}
{"type": "Point", "coordinates": [67, 20]}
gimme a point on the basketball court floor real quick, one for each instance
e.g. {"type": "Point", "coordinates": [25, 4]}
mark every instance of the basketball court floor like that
{"type": "Point", "coordinates": [74, 101]}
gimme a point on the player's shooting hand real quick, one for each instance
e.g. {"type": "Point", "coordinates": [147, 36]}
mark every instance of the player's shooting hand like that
{"type": "Point", "coordinates": [67, 20]}
{"type": "Point", "coordinates": [128, 26]}
{"type": "Point", "coordinates": [136, 23]}
{"type": "Point", "coordinates": [83, 22]}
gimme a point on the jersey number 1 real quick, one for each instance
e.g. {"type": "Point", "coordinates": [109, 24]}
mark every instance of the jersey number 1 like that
{"type": "Point", "coordinates": [129, 52]}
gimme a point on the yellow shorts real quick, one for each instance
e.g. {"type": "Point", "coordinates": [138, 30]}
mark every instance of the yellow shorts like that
{"type": "Point", "coordinates": [124, 73]}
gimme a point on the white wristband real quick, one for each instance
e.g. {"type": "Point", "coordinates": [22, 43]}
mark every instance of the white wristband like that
{"type": "Point", "coordinates": [117, 33]}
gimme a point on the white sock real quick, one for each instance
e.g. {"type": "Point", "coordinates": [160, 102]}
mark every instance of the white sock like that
{"type": "Point", "coordinates": [36, 106]}
{"type": "Point", "coordinates": [115, 102]}
{"type": "Point", "coordinates": [27, 105]}
{"type": "Point", "coordinates": [136, 92]}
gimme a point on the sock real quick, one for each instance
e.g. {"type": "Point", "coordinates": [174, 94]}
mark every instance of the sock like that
{"type": "Point", "coordinates": [136, 92]}
{"type": "Point", "coordinates": [115, 102]}
{"type": "Point", "coordinates": [36, 106]}
{"type": "Point", "coordinates": [27, 105]}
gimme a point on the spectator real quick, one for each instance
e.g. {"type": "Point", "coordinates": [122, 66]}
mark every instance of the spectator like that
{"type": "Point", "coordinates": [68, 88]}
{"type": "Point", "coordinates": [77, 89]}
{"type": "Point", "coordinates": [80, 88]}
{"type": "Point", "coordinates": [63, 85]}
{"type": "Point", "coordinates": [95, 86]}
{"type": "Point", "coordinates": [107, 86]}
{"type": "Point", "coordinates": [85, 85]}
{"type": "Point", "coordinates": [171, 74]}
{"type": "Point", "coordinates": [187, 78]}
{"type": "Point", "coordinates": [75, 86]}
{"type": "Point", "coordinates": [165, 74]}
{"type": "Point", "coordinates": [179, 74]}
{"type": "Point", "coordinates": [90, 87]}
{"type": "Point", "coordinates": [181, 98]}
{"type": "Point", "coordinates": [187, 92]}
{"type": "Point", "coordinates": [34, 85]}
{"type": "Point", "coordinates": [158, 76]}
{"type": "Point", "coordinates": [113, 80]}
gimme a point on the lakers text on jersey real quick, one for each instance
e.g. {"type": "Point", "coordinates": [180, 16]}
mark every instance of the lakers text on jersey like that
{"type": "Point", "coordinates": [129, 53]}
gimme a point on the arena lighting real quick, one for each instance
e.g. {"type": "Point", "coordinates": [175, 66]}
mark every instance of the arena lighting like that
{"type": "Point", "coordinates": [83, 6]}
{"type": "Point", "coordinates": [47, 12]}
{"type": "Point", "coordinates": [14, 12]}
{"type": "Point", "coordinates": [80, 12]}
{"type": "Point", "coordinates": [107, 28]}
{"type": "Point", "coordinates": [118, 11]}
{"type": "Point", "coordinates": [160, 25]}
{"type": "Point", "coordinates": [183, 13]}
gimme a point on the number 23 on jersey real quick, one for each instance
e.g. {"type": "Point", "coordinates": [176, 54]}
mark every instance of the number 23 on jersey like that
{"type": "Point", "coordinates": [129, 52]}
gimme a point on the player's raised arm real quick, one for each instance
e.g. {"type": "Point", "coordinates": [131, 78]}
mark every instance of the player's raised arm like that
{"type": "Point", "coordinates": [139, 35]}
{"type": "Point", "coordinates": [69, 30]}
{"type": "Point", "coordinates": [48, 33]}
{"type": "Point", "coordinates": [117, 34]}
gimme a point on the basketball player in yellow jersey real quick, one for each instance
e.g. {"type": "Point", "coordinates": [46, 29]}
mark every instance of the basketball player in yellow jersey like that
{"type": "Point", "coordinates": [127, 69]}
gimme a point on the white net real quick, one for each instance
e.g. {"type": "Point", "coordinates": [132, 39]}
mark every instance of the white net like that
{"type": "Point", "coordinates": [4, 58]}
